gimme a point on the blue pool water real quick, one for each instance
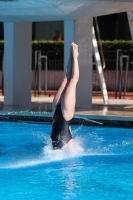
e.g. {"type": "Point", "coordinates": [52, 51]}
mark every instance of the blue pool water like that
{"type": "Point", "coordinates": [100, 166]}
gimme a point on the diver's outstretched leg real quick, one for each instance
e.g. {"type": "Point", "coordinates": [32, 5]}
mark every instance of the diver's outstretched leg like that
{"type": "Point", "coordinates": [67, 77]}
{"type": "Point", "coordinates": [66, 96]}
{"type": "Point", "coordinates": [68, 100]}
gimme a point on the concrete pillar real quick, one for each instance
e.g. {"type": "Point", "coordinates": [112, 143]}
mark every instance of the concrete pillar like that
{"type": "Point", "coordinates": [68, 39]}
{"type": "Point", "coordinates": [83, 37]}
{"type": "Point", "coordinates": [17, 64]}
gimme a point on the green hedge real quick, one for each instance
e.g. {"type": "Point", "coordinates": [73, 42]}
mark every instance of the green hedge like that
{"type": "Point", "coordinates": [117, 44]}
{"type": "Point", "coordinates": [55, 50]}
{"type": "Point", "coordinates": [110, 48]}
{"type": "Point", "coordinates": [46, 45]}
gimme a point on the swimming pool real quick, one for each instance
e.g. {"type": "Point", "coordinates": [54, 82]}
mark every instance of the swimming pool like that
{"type": "Point", "coordinates": [100, 167]}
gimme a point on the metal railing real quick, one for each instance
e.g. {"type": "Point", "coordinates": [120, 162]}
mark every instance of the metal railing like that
{"type": "Point", "coordinates": [119, 69]}
{"type": "Point", "coordinates": [38, 66]}
{"type": "Point", "coordinates": [55, 73]}
{"type": "Point", "coordinates": [100, 43]}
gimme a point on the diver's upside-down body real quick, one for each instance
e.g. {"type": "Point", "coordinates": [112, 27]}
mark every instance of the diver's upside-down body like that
{"type": "Point", "coordinates": [64, 103]}
{"type": "Point", "coordinates": [61, 133]}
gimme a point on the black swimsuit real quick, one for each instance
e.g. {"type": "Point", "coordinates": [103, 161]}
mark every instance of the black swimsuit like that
{"type": "Point", "coordinates": [61, 134]}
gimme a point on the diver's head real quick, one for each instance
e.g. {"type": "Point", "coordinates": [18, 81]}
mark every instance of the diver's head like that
{"type": "Point", "coordinates": [57, 145]}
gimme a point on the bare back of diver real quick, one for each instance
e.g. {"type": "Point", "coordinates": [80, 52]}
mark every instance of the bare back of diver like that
{"type": "Point", "coordinates": [64, 103]}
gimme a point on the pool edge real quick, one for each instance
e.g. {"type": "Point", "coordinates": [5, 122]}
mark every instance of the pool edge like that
{"type": "Point", "coordinates": [119, 121]}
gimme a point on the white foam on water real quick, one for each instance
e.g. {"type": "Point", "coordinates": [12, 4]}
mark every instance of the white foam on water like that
{"type": "Point", "coordinates": [49, 155]}
{"type": "Point", "coordinates": [23, 164]}
{"type": "Point", "coordinates": [64, 153]}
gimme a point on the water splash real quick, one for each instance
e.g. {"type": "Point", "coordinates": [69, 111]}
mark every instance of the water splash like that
{"type": "Point", "coordinates": [49, 155]}
{"type": "Point", "coordinates": [89, 121]}
{"type": "Point", "coordinates": [88, 142]}
{"type": "Point", "coordinates": [65, 153]}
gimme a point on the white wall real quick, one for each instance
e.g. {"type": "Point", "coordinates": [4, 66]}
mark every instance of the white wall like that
{"type": "Point", "coordinates": [83, 37]}
{"type": "Point", "coordinates": [17, 63]}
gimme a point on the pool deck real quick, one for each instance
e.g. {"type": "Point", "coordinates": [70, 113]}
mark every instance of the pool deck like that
{"type": "Point", "coordinates": [118, 112]}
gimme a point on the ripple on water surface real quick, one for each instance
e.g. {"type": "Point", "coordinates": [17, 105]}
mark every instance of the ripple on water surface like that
{"type": "Point", "coordinates": [99, 166]}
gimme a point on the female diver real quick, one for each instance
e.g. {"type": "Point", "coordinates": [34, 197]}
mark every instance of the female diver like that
{"type": "Point", "coordinates": [63, 106]}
